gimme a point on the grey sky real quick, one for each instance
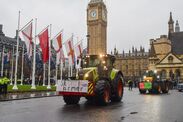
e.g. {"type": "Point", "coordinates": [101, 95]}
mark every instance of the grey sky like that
{"type": "Point", "coordinates": [130, 22]}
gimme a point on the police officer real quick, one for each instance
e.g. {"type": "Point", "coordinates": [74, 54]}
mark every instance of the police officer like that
{"type": "Point", "coordinates": [6, 81]}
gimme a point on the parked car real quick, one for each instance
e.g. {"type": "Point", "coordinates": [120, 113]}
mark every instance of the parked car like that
{"type": "Point", "coordinates": [180, 87]}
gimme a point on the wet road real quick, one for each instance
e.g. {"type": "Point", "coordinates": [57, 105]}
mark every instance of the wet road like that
{"type": "Point", "coordinates": [133, 108]}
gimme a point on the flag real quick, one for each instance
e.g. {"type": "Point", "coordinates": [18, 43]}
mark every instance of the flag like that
{"type": "Point", "coordinates": [70, 49]}
{"type": "Point", "coordinates": [78, 49]}
{"type": "Point", "coordinates": [44, 44]}
{"type": "Point", "coordinates": [60, 56]}
{"type": "Point", "coordinates": [57, 43]}
{"type": "Point", "coordinates": [27, 35]}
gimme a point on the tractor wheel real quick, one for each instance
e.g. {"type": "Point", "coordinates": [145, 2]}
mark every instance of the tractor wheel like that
{"type": "Point", "coordinates": [159, 89]}
{"type": "Point", "coordinates": [102, 91]}
{"type": "Point", "coordinates": [150, 91]}
{"type": "Point", "coordinates": [89, 98]}
{"type": "Point", "coordinates": [118, 90]}
{"type": "Point", "coordinates": [69, 100]}
{"type": "Point", "coordinates": [156, 88]}
{"type": "Point", "coordinates": [165, 88]}
{"type": "Point", "coordinates": [142, 91]}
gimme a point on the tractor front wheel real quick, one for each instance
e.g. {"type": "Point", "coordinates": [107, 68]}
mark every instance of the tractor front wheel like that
{"type": "Point", "coordinates": [69, 100]}
{"type": "Point", "coordinates": [142, 91]}
{"type": "Point", "coordinates": [102, 91]}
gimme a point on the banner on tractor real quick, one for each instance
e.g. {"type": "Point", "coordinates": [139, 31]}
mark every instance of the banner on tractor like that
{"type": "Point", "coordinates": [73, 86]}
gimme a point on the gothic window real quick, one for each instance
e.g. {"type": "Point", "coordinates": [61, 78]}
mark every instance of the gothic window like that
{"type": "Point", "coordinates": [170, 59]}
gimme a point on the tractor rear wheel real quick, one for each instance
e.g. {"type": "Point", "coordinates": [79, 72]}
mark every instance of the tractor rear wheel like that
{"type": "Point", "coordinates": [69, 100]}
{"type": "Point", "coordinates": [156, 87]}
{"type": "Point", "coordinates": [165, 87]}
{"type": "Point", "coordinates": [102, 91]}
{"type": "Point", "coordinates": [118, 90]}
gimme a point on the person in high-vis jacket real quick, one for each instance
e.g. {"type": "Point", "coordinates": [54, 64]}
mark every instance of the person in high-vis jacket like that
{"type": "Point", "coordinates": [6, 81]}
{"type": "Point", "coordinates": [4, 85]}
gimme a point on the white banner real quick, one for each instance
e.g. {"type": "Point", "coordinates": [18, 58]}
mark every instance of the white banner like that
{"type": "Point", "coordinates": [73, 86]}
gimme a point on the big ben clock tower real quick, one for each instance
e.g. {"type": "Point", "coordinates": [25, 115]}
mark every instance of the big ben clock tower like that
{"type": "Point", "coordinates": [97, 27]}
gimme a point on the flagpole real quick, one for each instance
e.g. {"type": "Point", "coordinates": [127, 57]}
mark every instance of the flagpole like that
{"type": "Point", "coordinates": [71, 57]}
{"type": "Point", "coordinates": [69, 72]}
{"type": "Point", "coordinates": [44, 74]}
{"type": "Point", "coordinates": [17, 54]}
{"type": "Point", "coordinates": [34, 59]}
{"type": "Point", "coordinates": [2, 63]}
{"type": "Point", "coordinates": [56, 80]}
{"type": "Point", "coordinates": [22, 73]}
{"type": "Point", "coordinates": [12, 64]}
{"type": "Point", "coordinates": [61, 67]}
{"type": "Point", "coordinates": [49, 87]}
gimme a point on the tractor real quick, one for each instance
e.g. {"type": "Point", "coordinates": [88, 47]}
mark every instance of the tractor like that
{"type": "Point", "coordinates": [153, 83]}
{"type": "Point", "coordinates": [97, 81]}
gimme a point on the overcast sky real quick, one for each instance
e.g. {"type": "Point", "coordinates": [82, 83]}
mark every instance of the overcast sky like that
{"type": "Point", "coordinates": [130, 22]}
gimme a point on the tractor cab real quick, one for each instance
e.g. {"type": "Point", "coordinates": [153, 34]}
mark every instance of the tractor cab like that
{"type": "Point", "coordinates": [96, 60]}
{"type": "Point", "coordinates": [103, 63]}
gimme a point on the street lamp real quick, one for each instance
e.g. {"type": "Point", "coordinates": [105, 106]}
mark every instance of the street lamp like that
{"type": "Point", "coordinates": [155, 71]}
{"type": "Point", "coordinates": [88, 38]}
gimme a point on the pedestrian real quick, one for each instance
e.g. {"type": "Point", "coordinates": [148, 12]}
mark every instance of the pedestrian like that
{"type": "Point", "coordinates": [130, 85]}
{"type": "Point", "coordinates": [1, 86]}
{"type": "Point", "coordinates": [5, 85]}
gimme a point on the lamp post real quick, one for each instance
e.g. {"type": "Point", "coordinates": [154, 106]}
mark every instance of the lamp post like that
{"type": "Point", "coordinates": [88, 38]}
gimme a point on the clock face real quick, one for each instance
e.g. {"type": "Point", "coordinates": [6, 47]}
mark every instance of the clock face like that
{"type": "Point", "coordinates": [93, 13]}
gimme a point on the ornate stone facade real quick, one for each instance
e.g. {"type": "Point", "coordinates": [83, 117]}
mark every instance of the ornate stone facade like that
{"type": "Point", "coordinates": [166, 53]}
{"type": "Point", "coordinates": [133, 64]}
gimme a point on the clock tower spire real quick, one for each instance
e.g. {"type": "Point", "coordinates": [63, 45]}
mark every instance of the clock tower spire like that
{"type": "Point", "coordinates": [97, 27]}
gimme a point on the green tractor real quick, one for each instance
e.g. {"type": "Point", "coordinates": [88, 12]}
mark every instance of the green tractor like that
{"type": "Point", "coordinates": [97, 81]}
{"type": "Point", "coordinates": [153, 83]}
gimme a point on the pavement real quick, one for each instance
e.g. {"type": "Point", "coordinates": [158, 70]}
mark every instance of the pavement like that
{"type": "Point", "coordinates": [26, 95]}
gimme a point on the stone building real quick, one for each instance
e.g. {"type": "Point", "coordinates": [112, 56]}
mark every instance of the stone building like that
{"type": "Point", "coordinates": [8, 44]}
{"type": "Point", "coordinates": [166, 53]}
{"type": "Point", "coordinates": [133, 64]}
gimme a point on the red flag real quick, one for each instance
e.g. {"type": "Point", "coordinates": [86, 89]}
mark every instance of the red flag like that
{"type": "Point", "coordinates": [44, 44]}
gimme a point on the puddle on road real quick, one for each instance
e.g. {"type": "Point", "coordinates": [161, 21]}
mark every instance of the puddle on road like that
{"type": "Point", "coordinates": [123, 117]}
{"type": "Point", "coordinates": [133, 112]}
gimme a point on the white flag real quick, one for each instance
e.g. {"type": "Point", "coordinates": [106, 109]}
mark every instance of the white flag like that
{"type": "Point", "coordinates": [60, 57]}
{"type": "Point", "coordinates": [70, 50]}
{"type": "Point", "coordinates": [57, 43]}
{"type": "Point", "coordinates": [27, 35]}
{"type": "Point", "coordinates": [78, 49]}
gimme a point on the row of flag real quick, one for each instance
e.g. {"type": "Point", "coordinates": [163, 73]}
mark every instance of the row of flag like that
{"type": "Point", "coordinates": [46, 44]}
{"type": "Point", "coordinates": [57, 44]}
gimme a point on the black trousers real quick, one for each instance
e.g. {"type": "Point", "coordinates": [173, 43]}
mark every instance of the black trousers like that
{"type": "Point", "coordinates": [3, 88]}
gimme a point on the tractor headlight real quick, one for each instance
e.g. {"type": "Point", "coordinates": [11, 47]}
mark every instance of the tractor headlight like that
{"type": "Point", "coordinates": [105, 67]}
{"type": "Point", "coordinates": [86, 75]}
